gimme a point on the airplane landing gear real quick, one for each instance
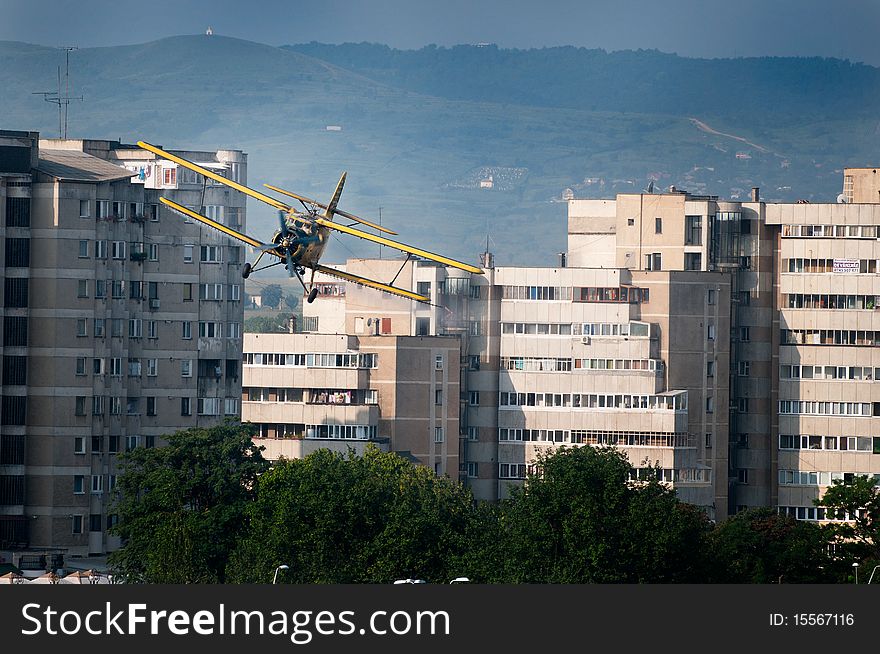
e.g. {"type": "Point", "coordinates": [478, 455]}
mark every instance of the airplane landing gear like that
{"type": "Point", "coordinates": [246, 270]}
{"type": "Point", "coordinates": [312, 295]}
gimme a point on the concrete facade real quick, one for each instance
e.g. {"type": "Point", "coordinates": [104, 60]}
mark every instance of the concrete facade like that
{"type": "Point", "coordinates": [305, 391]}
{"type": "Point", "coordinates": [122, 323]}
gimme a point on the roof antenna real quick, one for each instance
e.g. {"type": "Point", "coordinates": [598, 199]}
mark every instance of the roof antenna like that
{"type": "Point", "coordinates": [55, 97]}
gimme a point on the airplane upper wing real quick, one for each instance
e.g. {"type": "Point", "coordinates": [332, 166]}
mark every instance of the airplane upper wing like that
{"type": "Point", "coordinates": [213, 223]}
{"type": "Point", "coordinates": [342, 213]}
{"type": "Point", "coordinates": [403, 247]}
{"type": "Point", "coordinates": [394, 290]}
{"type": "Point", "coordinates": [212, 175]}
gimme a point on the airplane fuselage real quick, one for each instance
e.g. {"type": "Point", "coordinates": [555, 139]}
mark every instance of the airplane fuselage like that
{"type": "Point", "coordinates": [306, 247]}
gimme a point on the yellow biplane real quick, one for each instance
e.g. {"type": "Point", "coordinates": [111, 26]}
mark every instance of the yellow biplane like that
{"type": "Point", "coordinates": [303, 235]}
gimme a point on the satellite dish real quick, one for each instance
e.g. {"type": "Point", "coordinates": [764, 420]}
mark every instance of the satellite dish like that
{"type": "Point", "coordinates": [841, 199]}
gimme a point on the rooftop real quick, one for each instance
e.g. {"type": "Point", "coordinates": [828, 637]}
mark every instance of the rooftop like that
{"type": "Point", "coordinates": [73, 166]}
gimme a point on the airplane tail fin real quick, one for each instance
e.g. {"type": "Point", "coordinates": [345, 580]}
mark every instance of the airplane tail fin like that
{"type": "Point", "coordinates": [331, 207]}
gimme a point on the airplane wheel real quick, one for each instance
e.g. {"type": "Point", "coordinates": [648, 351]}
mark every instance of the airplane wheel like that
{"type": "Point", "coordinates": [246, 270]}
{"type": "Point", "coordinates": [312, 295]}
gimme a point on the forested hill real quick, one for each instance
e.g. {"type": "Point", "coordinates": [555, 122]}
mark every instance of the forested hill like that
{"type": "Point", "coordinates": [769, 89]}
{"type": "Point", "coordinates": [450, 145]}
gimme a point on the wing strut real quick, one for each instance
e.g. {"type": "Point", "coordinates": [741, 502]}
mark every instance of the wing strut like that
{"type": "Point", "coordinates": [405, 261]}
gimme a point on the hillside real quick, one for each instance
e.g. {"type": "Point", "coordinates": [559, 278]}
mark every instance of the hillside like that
{"type": "Point", "coordinates": [420, 130]}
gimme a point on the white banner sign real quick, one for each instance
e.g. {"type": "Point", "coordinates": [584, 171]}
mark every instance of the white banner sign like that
{"type": "Point", "coordinates": [846, 265]}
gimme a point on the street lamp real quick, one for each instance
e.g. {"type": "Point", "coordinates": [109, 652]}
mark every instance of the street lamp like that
{"type": "Point", "coordinates": [460, 580]}
{"type": "Point", "coordinates": [280, 567]}
{"type": "Point", "coordinates": [856, 568]}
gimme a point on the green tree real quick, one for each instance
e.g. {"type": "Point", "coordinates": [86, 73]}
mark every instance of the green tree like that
{"type": "Point", "coordinates": [761, 546]}
{"type": "Point", "coordinates": [582, 521]}
{"type": "Point", "coordinates": [858, 538]}
{"type": "Point", "coordinates": [337, 518]}
{"type": "Point", "coordinates": [271, 296]}
{"type": "Point", "coordinates": [181, 507]}
{"type": "Point", "coordinates": [291, 301]}
{"type": "Point", "coordinates": [266, 324]}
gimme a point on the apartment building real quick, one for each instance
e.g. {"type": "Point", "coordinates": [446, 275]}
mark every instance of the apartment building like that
{"type": "Point", "coordinates": [341, 392]}
{"type": "Point", "coordinates": [860, 185]}
{"type": "Point", "coordinates": [564, 355]}
{"type": "Point", "coordinates": [121, 323]}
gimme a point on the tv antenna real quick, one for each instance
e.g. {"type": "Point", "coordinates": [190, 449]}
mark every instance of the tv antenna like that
{"type": "Point", "coordinates": [56, 97]}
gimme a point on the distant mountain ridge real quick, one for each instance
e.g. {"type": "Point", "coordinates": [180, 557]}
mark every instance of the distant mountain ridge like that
{"type": "Point", "coordinates": [646, 81]}
{"type": "Point", "coordinates": [419, 132]}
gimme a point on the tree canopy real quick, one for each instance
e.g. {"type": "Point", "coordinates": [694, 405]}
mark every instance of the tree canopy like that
{"type": "Point", "coordinates": [354, 519]}
{"type": "Point", "coordinates": [181, 507]}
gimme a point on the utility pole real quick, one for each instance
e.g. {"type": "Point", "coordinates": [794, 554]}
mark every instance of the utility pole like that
{"type": "Point", "coordinates": [57, 98]}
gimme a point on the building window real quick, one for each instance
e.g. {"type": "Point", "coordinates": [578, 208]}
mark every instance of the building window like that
{"type": "Point", "coordinates": [233, 330]}
{"type": "Point", "coordinates": [710, 296]}
{"type": "Point", "coordinates": [209, 406]}
{"type": "Point", "coordinates": [211, 253]}
{"type": "Point", "coordinates": [230, 406]}
{"type": "Point", "coordinates": [235, 292]}
{"type": "Point", "coordinates": [79, 445]}
{"type": "Point", "coordinates": [97, 484]}
{"type": "Point", "coordinates": [117, 250]}
{"type": "Point", "coordinates": [81, 329]}
{"type": "Point", "coordinates": [744, 334]}
{"type": "Point", "coordinates": [708, 440]}
{"type": "Point", "coordinates": [84, 209]}
{"type": "Point", "coordinates": [742, 405]}
{"type": "Point", "coordinates": [710, 369]}
{"type": "Point", "coordinates": [100, 249]}
{"type": "Point", "coordinates": [474, 398]}
{"type": "Point", "coordinates": [438, 397]}
{"type": "Point", "coordinates": [473, 433]}
{"type": "Point", "coordinates": [131, 442]}
{"type": "Point", "coordinates": [210, 291]}
{"type": "Point", "coordinates": [77, 524]}
{"type": "Point", "coordinates": [103, 209]}
{"type": "Point", "coordinates": [152, 329]}
{"type": "Point", "coordinates": [438, 434]}
{"type": "Point", "coordinates": [423, 288]}
{"type": "Point", "coordinates": [16, 292]}
{"type": "Point", "coordinates": [187, 253]}
{"type": "Point", "coordinates": [710, 332]}
{"type": "Point", "coordinates": [153, 252]}
{"type": "Point", "coordinates": [113, 444]}
{"type": "Point", "coordinates": [438, 362]}
{"type": "Point", "coordinates": [742, 476]}
{"type": "Point", "coordinates": [187, 329]}
{"type": "Point", "coordinates": [658, 225]}
{"type": "Point", "coordinates": [210, 329]}
{"type": "Point", "coordinates": [423, 326]}
{"type": "Point", "coordinates": [98, 405]}
{"type": "Point", "coordinates": [151, 406]}
{"type": "Point", "coordinates": [95, 522]}
{"type": "Point", "coordinates": [134, 367]}
{"type": "Point", "coordinates": [186, 367]}
{"type": "Point", "coordinates": [710, 404]}
{"type": "Point", "coordinates": [473, 469]}
{"type": "Point", "coordinates": [80, 408]}
{"type": "Point", "coordinates": [653, 261]}
{"type": "Point", "coordinates": [310, 323]}
{"type": "Point", "coordinates": [693, 231]}
{"type": "Point", "coordinates": [79, 484]}
{"type": "Point", "coordinates": [80, 365]}
{"type": "Point", "coordinates": [135, 328]}
{"type": "Point", "coordinates": [743, 368]}
{"type": "Point", "coordinates": [693, 261]}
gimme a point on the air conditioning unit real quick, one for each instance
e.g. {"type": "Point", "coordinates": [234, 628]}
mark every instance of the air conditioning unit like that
{"type": "Point", "coordinates": [154, 303]}
{"type": "Point", "coordinates": [585, 340]}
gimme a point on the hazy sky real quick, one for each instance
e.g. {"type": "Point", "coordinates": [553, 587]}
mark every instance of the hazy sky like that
{"type": "Point", "coordinates": [697, 28]}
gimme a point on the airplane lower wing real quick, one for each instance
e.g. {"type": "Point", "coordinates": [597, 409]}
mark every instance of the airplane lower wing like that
{"type": "Point", "coordinates": [213, 223]}
{"type": "Point", "coordinates": [402, 292]}
{"type": "Point", "coordinates": [403, 247]}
